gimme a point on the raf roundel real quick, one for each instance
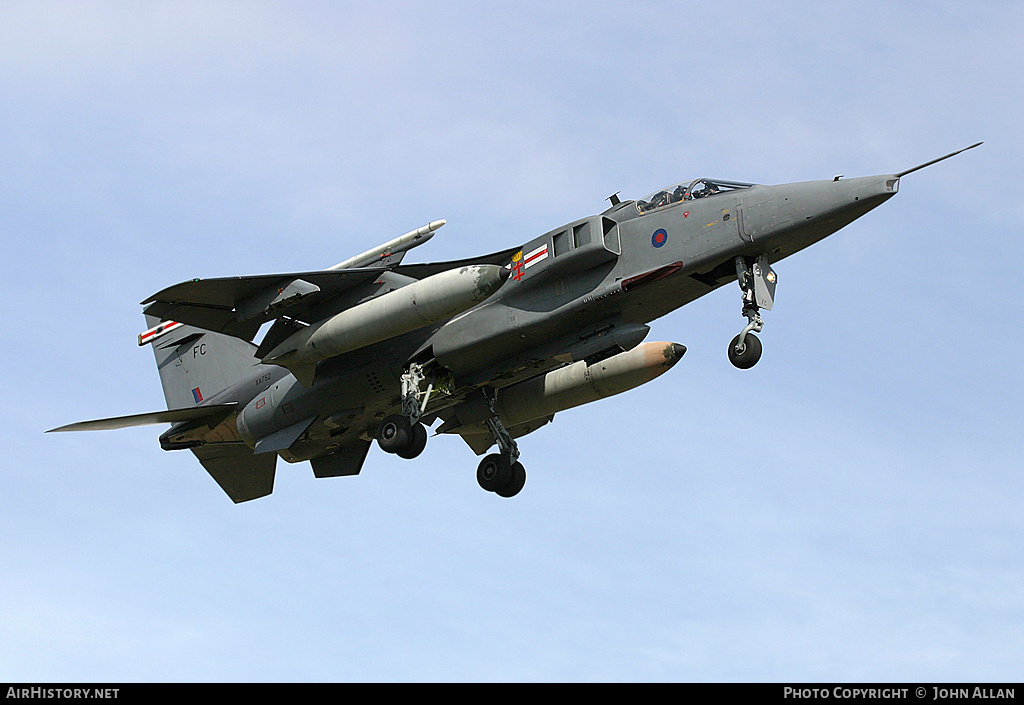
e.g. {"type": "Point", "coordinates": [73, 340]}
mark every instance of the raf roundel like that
{"type": "Point", "coordinates": [659, 238]}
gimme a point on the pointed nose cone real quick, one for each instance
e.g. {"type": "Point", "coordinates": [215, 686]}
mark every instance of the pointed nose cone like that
{"type": "Point", "coordinates": [849, 199]}
{"type": "Point", "coordinates": [864, 193]}
{"type": "Point", "coordinates": [800, 214]}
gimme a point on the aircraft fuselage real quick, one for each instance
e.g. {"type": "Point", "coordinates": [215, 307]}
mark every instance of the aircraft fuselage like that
{"type": "Point", "coordinates": [491, 346]}
{"type": "Point", "coordinates": [573, 293]}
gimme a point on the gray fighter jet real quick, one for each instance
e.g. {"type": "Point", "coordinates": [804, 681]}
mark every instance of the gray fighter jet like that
{"type": "Point", "coordinates": [491, 347]}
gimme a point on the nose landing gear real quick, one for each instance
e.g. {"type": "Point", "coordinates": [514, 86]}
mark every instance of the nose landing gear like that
{"type": "Point", "coordinates": [757, 281]}
{"type": "Point", "coordinates": [745, 350]}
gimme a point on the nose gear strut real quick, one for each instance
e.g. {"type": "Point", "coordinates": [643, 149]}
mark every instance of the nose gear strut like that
{"type": "Point", "coordinates": [757, 281]}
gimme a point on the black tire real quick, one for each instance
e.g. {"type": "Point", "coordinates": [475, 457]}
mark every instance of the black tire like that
{"type": "Point", "coordinates": [750, 354]}
{"type": "Point", "coordinates": [417, 442]}
{"type": "Point", "coordinates": [494, 472]}
{"type": "Point", "coordinates": [516, 481]}
{"type": "Point", "coordinates": [394, 433]}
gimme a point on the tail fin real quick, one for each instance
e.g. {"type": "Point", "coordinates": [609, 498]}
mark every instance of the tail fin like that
{"type": "Point", "coordinates": [195, 364]}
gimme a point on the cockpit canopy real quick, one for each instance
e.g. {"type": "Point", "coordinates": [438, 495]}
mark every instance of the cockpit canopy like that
{"type": "Point", "coordinates": [687, 191]}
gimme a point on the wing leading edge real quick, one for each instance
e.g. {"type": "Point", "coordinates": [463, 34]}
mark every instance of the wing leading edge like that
{"type": "Point", "coordinates": [238, 306]}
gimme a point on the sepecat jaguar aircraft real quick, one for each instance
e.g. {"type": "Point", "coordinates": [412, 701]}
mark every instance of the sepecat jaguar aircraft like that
{"type": "Point", "coordinates": [490, 347]}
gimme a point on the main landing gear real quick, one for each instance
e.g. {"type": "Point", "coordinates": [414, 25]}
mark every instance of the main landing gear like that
{"type": "Point", "coordinates": [501, 472]}
{"type": "Point", "coordinates": [399, 435]}
{"type": "Point", "coordinates": [496, 474]}
{"type": "Point", "coordinates": [403, 434]}
{"type": "Point", "coordinates": [757, 280]}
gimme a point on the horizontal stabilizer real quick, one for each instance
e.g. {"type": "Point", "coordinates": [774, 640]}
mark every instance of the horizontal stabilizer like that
{"type": "Point", "coordinates": [154, 417]}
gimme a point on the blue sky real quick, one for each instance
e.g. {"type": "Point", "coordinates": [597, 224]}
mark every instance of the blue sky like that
{"type": "Point", "coordinates": [847, 510]}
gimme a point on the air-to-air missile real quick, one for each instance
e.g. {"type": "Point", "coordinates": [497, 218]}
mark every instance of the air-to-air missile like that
{"type": "Point", "coordinates": [413, 238]}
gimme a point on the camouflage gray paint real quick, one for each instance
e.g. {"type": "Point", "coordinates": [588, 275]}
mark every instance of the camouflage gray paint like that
{"type": "Point", "coordinates": [491, 346]}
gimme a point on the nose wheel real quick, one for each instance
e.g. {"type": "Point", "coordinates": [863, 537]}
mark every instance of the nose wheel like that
{"type": "Point", "coordinates": [757, 280]}
{"type": "Point", "coordinates": [745, 351]}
